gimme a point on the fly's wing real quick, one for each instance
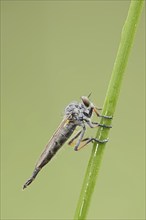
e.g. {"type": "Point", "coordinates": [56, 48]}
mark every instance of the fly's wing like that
{"type": "Point", "coordinates": [62, 125]}
{"type": "Point", "coordinates": [48, 152]}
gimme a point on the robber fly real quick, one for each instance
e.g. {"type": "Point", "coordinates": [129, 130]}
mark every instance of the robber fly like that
{"type": "Point", "coordinates": [76, 114]}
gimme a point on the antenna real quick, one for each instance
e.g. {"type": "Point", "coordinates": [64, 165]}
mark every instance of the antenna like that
{"type": "Point", "coordinates": [89, 94]}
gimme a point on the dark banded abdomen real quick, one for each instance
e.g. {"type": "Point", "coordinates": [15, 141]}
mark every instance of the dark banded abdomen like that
{"type": "Point", "coordinates": [62, 134]}
{"type": "Point", "coordinates": [55, 143]}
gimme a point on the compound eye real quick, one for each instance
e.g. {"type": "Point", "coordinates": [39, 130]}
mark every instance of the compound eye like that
{"type": "Point", "coordinates": [86, 101]}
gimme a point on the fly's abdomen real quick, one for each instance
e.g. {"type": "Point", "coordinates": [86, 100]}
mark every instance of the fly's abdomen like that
{"type": "Point", "coordinates": [55, 144]}
{"type": "Point", "coordinates": [58, 139]}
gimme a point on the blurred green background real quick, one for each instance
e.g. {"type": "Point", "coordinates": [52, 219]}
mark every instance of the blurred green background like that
{"type": "Point", "coordinates": [53, 52]}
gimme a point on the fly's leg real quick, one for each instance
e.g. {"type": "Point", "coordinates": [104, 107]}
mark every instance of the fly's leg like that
{"type": "Point", "coordinates": [31, 179]}
{"type": "Point", "coordinates": [100, 125]}
{"type": "Point", "coordinates": [96, 124]}
{"type": "Point", "coordinates": [71, 142]}
{"type": "Point", "coordinates": [80, 134]}
{"type": "Point", "coordinates": [99, 108]}
{"type": "Point", "coordinates": [99, 115]}
{"type": "Point", "coordinates": [105, 116]}
{"type": "Point", "coordinates": [80, 138]}
{"type": "Point", "coordinates": [88, 140]}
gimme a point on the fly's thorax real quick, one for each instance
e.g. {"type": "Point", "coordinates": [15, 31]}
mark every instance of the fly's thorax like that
{"type": "Point", "coordinates": [77, 112]}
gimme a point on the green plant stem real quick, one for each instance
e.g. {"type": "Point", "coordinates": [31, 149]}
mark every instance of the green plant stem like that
{"type": "Point", "coordinates": [127, 37]}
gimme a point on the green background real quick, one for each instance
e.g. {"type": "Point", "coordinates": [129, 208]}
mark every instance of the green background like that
{"type": "Point", "coordinates": [53, 52]}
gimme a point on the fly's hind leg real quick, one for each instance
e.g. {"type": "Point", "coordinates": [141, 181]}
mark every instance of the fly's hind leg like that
{"type": "Point", "coordinates": [31, 179]}
{"type": "Point", "coordinates": [71, 142]}
{"type": "Point", "coordinates": [88, 140]}
{"type": "Point", "coordinates": [80, 134]}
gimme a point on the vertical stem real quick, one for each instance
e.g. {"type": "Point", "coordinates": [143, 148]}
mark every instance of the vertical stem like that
{"type": "Point", "coordinates": [127, 37]}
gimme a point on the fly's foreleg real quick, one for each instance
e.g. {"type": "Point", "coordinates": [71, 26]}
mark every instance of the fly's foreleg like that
{"type": "Point", "coordinates": [31, 179]}
{"type": "Point", "coordinates": [102, 116]}
{"type": "Point", "coordinates": [88, 140]}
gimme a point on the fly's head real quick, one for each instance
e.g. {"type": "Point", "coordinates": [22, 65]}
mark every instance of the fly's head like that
{"type": "Point", "coordinates": [79, 112]}
{"type": "Point", "coordinates": [90, 107]}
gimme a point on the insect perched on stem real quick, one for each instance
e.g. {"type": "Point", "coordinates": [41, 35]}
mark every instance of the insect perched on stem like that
{"type": "Point", "coordinates": [76, 114]}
